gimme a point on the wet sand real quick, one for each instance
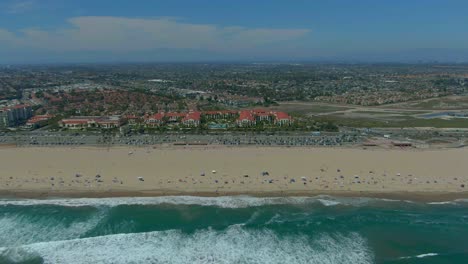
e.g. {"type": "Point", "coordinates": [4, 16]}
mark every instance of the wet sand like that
{"type": "Point", "coordinates": [208, 171]}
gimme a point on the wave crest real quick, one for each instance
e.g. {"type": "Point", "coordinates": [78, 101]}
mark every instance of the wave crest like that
{"type": "Point", "coordinates": [234, 245]}
{"type": "Point", "coordinates": [222, 201]}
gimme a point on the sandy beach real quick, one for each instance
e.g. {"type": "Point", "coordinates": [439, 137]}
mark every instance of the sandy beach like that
{"type": "Point", "coordinates": [99, 172]}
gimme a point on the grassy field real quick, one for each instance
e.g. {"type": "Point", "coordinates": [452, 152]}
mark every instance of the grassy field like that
{"type": "Point", "coordinates": [307, 109]}
{"type": "Point", "coordinates": [405, 121]}
{"type": "Point", "coordinates": [377, 117]}
{"type": "Point", "coordinates": [439, 123]}
{"type": "Point", "coordinates": [450, 102]}
{"type": "Point", "coordinates": [391, 112]}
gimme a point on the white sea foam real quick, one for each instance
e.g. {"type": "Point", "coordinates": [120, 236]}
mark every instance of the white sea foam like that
{"type": "Point", "coordinates": [427, 255]}
{"type": "Point", "coordinates": [18, 230]}
{"type": "Point", "coordinates": [328, 202]}
{"type": "Point", "coordinates": [234, 245]}
{"type": "Point", "coordinates": [223, 201]}
{"type": "Point", "coordinates": [441, 203]}
{"type": "Point", "coordinates": [19, 255]}
{"type": "Point", "coordinates": [421, 256]}
{"type": "Point", "coordinates": [454, 202]}
{"type": "Point", "coordinates": [274, 219]}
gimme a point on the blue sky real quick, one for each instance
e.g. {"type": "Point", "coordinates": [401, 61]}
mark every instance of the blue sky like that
{"type": "Point", "coordinates": [202, 30]}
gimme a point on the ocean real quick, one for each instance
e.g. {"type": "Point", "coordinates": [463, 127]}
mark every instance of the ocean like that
{"type": "Point", "coordinates": [237, 229]}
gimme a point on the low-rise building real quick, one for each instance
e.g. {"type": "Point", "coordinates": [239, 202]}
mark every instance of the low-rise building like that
{"type": "Point", "coordinates": [243, 118]}
{"type": "Point", "coordinates": [192, 119]}
{"type": "Point", "coordinates": [263, 115]}
{"type": "Point", "coordinates": [79, 122]}
{"type": "Point", "coordinates": [246, 118]}
{"type": "Point", "coordinates": [221, 114]}
{"type": "Point", "coordinates": [132, 119]}
{"type": "Point", "coordinates": [38, 121]}
{"type": "Point", "coordinates": [282, 118]}
{"type": "Point", "coordinates": [251, 117]}
{"type": "Point", "coordinates": [154, 120]}
{"type": "Point", "coordinates": [174, 117]}
{"type": "Point", "coordinates": [107, 122]}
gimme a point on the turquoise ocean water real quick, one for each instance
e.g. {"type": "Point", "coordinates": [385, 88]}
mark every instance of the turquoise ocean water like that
{"type": "Point", "coordinates": [183, 229]}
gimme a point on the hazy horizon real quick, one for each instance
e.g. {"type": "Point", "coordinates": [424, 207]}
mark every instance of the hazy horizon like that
{"type": "Point", "coordinates": [52, 31]}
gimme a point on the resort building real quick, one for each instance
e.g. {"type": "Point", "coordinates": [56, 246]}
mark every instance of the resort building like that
{"type": "Point", "coordinates": [38, 121]}
{"type": "Point", "coordinates": [174, 117]}
{"type": "Point", "coordinates": [132, 119]}
{"type": "Point", "coordinates": [155, 120]}
{"type": "Point", "coordinates": [250, 118]}
{"type": "Point", "coordinates": [262, 115]}
{"type": "Point", "coordinates": [192, 119]}
{"type": "Point", "coordinates": [109, 122]}
{"type": "Point", "coordinates": [79, 122]}
{"type": "Point", "coordinates": [281, 118]}
{"type": "Point", "coordinates": [222, 114]}
{"type": "Point", "coordinates": [245, 118]}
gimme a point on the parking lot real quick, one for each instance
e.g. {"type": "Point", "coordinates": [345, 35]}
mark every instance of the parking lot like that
{"type": "Point", "coordinates": [78, 139]}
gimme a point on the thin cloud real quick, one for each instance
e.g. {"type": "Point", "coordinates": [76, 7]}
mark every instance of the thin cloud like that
{"type": "Point", "coordinates": [121, 34]}
{"type": "Point", "coordinates": [17, 7]}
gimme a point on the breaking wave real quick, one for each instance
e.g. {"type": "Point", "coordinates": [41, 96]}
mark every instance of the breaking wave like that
{"type": "Point", "coordinates": [235, 229]}
{"type": "Point", "coordinates": [233, 245]}
{"type": "Point", "coordinates": [223, 201]}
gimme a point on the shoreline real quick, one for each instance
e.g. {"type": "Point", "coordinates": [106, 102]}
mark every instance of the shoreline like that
{"type": "Point", "coordinates": [397, 196]}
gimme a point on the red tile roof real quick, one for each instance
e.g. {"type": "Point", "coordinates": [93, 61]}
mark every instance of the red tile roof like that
{"type": "Point", "coordinates": [15, 107]}
{"type": "Point", "coordinates": [39, 118]}
{"type": "Point", "coordinates": [157, 116]}
{"type": "Point", "coordinates": [192, 116]}
{"type": "Point", "coordinates": [246, 115]}
{"type": "Point", "coordinates": [282, 115]}
{"type": "Point", "coordinates": [75, 121]}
